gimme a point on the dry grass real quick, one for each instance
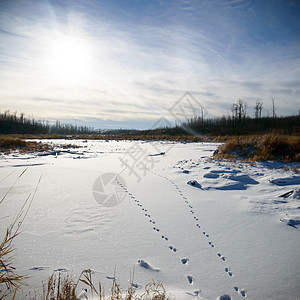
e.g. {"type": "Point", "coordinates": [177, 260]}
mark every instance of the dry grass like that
{"type": "Point", "coordinates": [10, 281]}
{"type": "Point", "coordinates": [12, 143]}
{"type": "Point", "coordinates": [58, 288]}
{"type": "Point", "coordinates": [9, 143]}
{"type": "Point", "coordinates": [261, 148]}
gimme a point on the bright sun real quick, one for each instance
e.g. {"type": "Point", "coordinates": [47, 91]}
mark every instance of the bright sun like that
{"type": "Point", "coordinates": [70, 58]}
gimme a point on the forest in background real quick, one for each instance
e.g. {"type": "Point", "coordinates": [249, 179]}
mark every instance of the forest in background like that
{"type": "Point", "coordinates": [237, 122]}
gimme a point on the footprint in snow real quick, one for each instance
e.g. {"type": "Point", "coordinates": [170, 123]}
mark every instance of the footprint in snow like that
{"type": "Point", "coordinates": [221, 256]}
{"type": "Point", "coordinates": [61, 270]}
{"type": "Point", "coordinates": [38, 268]}
{"type": "Point", "coordinates": [164, 237]}
{"type": "Point", "coordinates": [184, 261]}
{"type": "Point", "coordinates": [172, 248]}
{"type": "Point", "coordinates": [228, 272]}
{"type": "Point", "coordinates": [241, 292]}
{"type": "Point", "coordinates": [224, 297]}
{"type": "Point", "coordinates": [147, 266]}
{"type": "Point", "coordinates": [136, 286]}
{"type": "Point", "coordinates": [195, 293]}
{"type": "Point", "coordinates": [190, 279]}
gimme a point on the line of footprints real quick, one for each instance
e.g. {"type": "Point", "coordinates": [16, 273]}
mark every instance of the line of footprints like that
{"type": "Point", "coordinates": [205, 234]}
{"type": "Point", "coordinates": [184, 261]}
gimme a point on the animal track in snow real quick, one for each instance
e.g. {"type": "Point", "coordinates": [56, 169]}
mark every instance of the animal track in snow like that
{"type": "Point", "coordinates": [184, 261]}
{"type": "Point", "coordinates": [224, 297]}
{"type": "Point", "coordinates": [195, 183]}
{"type": "Point", "coordinates": [38, 268]}
{"type": "Point", "coordinates": [135, 285]}
{"type": "Point", "coordinates": [227, 270]}
{"type": "Point", "coordinates": [146, 265]}
{"type": "Point", "coordinates": [141, 262]}
{"type": "Point", "coordinates": [61, 270]}
{"type": "Point", "coordinates": [172, 248]}
{"type": "Point", "coordinates": [241, 292]}
{"type": "Point", "coordinates": [190, 279]}
{"type": "Point", "coordinates": [221, 256]}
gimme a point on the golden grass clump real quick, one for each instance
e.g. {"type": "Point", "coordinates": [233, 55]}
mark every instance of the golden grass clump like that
{"type": "Point", "coordinates": [10, 281]}
{"type": "Point", "coordinates": [261, 148]}
{"type": "Point", "coordinates": [12, 143]}
{"type": "Point", "coordinates": [58, 288]}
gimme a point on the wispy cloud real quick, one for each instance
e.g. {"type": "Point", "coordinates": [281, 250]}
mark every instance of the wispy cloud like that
{"type": "Point", "coordinates": [143, 58]}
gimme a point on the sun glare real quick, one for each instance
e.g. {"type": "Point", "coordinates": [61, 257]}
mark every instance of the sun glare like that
{"type": "Point", "coordinates": [70, 58]}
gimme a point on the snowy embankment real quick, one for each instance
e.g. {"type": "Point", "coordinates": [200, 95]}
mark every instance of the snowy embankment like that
{"type": "Point", "coordinates": [112, 206]}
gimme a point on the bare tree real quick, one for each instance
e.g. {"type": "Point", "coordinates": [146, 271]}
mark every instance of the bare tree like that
{"type": "Point", "coordinates": [239, 110]}
{"type": "Point", "coordinates": [258, 109]}
{"type": "Point", "coordinates": [273, 109]}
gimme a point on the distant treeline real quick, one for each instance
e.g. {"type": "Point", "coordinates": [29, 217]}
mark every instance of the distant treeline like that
{"type": "Point", "coordinates": [12, 123]}
{"type": "Point", "coordinates": [231, 126]}
{"type": "Point", "coordinates": [238, 122]}
{"type": "Point", "coordinates": [227, 126]}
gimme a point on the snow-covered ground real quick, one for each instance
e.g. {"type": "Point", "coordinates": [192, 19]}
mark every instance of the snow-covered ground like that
{"type": "Point", "coordinates": [118, 205]}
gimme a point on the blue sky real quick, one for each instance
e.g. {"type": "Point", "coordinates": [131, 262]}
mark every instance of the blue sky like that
{"type": "Point", "coordinates": [112, 64]}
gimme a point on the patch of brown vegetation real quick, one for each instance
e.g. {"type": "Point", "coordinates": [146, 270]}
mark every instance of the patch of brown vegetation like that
{"type": "Point", "coordinates": [261, 148]}
{"type": "Point", "coordinates": [58, 288]}
{"type": "Point", "coordinates": [12, 143]}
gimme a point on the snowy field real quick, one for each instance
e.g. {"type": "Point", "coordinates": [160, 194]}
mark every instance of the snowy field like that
{"type": "Point", "coordinates": [118, 205]}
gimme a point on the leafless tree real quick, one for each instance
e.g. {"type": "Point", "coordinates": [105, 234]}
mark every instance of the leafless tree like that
{"type": "Point", "coordinates": [273, 109]}
{"type": "Point", "coordinates": [258, 109]}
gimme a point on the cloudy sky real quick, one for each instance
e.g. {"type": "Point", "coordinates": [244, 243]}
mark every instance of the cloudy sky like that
{"type": "Point", "coordinates": [122, 63]}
